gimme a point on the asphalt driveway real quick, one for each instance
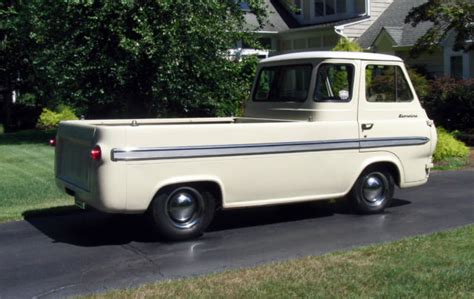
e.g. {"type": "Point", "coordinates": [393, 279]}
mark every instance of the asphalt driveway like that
{"type": "Point", "coordinates": [88, 252]}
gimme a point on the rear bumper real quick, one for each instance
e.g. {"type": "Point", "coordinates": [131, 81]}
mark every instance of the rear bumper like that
{"type": "Point", "coordinates": [95, 200]}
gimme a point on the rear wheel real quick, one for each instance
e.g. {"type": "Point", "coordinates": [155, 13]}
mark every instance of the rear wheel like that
{"type": "Point", "coordinates": [373, 191]}
{"type": "Point", "coordinates": [182, 212]}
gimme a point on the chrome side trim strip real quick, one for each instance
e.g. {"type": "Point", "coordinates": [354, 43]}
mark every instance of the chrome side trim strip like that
{"type": "Point", "coordinates": [231, 150]}
{"type": "Point", "coordinates": [134, 154]}
{"type": "Point", "coordinates": [387, 142]}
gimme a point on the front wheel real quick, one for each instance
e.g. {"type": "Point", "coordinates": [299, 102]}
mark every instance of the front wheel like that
{"type": "Point", "coordinates": [181, 212]}
{"type": "Point", "coordinates": [373, 191]}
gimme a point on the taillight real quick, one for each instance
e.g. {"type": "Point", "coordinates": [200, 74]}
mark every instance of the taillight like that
{"type": "Point", "coordinates": [52, 142]}
{"type": "Point", "coordinates": [96, 153]}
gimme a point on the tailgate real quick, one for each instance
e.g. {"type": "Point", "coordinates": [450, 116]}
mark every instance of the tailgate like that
{"type": "Point", "coordinates": [73, 163]}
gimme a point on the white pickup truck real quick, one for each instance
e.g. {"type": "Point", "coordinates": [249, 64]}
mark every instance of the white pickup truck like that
{"type": "Point", "coordinates": [319, 125]}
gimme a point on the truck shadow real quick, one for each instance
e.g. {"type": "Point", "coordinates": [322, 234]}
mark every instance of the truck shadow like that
{"type": "Point", "coordinates": [93, 228]}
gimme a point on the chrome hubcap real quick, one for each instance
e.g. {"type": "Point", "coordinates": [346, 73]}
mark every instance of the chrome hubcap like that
{"type": "Point", "coordinates": [373, 189]}
{"type": "Point", "coordinates": [184, 207]}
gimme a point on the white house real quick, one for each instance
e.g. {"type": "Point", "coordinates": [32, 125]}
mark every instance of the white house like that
{"type": "Point", "coordinates": [377, 25]}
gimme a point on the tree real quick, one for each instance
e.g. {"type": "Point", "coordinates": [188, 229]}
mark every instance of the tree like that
{"type": "Point", "coordinates": [447, 16]}
{"type": "Point", "coordinates": [16, 49]}
{"type": "Point", "coordinates": [137, 58]}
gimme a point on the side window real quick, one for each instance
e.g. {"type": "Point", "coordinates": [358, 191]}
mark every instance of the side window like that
{"type": "Point", "coordinates": [334, 82]}
{"type": "Point", "coordinates": [283, 84]}
{"type": "Point", "coordinates": [386, 83]}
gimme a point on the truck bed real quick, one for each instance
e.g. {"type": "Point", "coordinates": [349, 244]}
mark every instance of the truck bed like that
{"type": "Point", "coordinates": [79, 175]}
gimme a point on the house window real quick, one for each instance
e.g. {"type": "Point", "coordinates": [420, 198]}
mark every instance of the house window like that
{"type": "Point", "coordinates": [299, 43]}
{"type": "Point", "coordinates": [330, 41]}
{"type": "Point", "coordinates": [297, 7]}
{"type": "Point", "coordinates": [285, 45]}
{"type": "Point", "coordinates": [265, 42]}
{"type": "Point", "coordinates": [319, 8]}
{"type": "Point", "coordinates": [341, 6]}
{"type": "Point", "coordinates": [360, 6]}
{"type": "Point", "coordinates": [315, 42]}
{"type": "Point", "coordinates": [329, 7]}
{"type": "Point", "coordinates": [456, 66]}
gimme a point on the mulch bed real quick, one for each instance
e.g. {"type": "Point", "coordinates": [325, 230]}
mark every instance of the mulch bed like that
{"type": "Point", "coordinates": [471, 158]}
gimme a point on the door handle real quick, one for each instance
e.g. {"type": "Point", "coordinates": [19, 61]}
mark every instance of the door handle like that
{"type": "Point", "coordinates": [367, 126]}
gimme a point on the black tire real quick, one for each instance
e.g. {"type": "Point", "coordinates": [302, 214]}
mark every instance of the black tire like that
{"type": "Point", "coordinates": [373, 191]}
{"type": "Point", "coordinates": [181, 212]}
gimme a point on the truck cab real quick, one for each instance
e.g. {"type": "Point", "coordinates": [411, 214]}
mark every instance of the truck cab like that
{"type": "Point", "coordinates": [353, 95]}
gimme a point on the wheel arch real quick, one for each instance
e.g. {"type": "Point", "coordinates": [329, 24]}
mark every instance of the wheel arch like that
{"type": "Point", "coordinates": [386, 165]}
{"type": "Point", "coordinates": [201, 183]}
{"type": "Point", "coordinates": [387, 161]}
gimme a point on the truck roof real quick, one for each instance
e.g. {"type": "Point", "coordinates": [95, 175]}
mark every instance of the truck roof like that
{"type": "Point", "coordinates": [332, 54]}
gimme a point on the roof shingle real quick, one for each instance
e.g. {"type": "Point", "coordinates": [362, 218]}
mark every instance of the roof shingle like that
{"type": "Point", "coordinates": [279, 19]}
{"type": "Point", "coordinates": [393, 21]}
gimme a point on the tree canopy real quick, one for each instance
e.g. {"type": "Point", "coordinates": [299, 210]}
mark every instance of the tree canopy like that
{"type": "Point", "coordinates": [447, 16]}
{"type": "Point", "coordinates": [127, 58]}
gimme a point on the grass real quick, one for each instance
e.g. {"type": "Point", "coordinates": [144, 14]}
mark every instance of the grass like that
{"type": "Point", "coordinates": [435, 266]}
{"type": "Point", "coordinates": [27, 175]}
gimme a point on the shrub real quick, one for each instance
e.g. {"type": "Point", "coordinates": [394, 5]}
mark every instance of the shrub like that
{"type": "Point", "coordinates": [50, 119]}
{"type": "Point", "coordinates": [450, 103]}
{"type": "Point", "coordinates": [345, 44]}
{"type": "Point", "coordinates": [420, 83]}
{"type": "Point", "coordinates": [449, 147]}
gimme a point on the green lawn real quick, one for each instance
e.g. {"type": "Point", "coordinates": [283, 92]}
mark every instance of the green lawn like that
{"type": "Point", "coordinates": [27, 175]}
{"type": "Point", "coordinates": [435, 266]}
